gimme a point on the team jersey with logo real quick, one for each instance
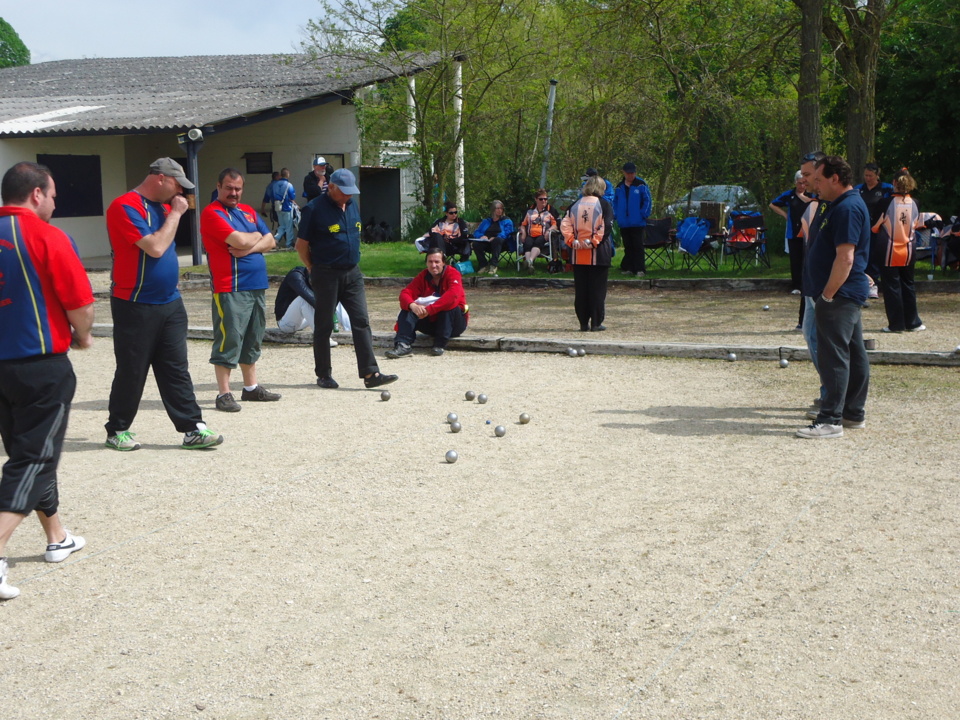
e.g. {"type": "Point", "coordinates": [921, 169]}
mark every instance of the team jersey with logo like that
{"type": "Point", "coordinates": [537, 222]}
{"type": "Point", "coordinates": [136, 276]}
{"type": "Point", "coordinates": [584, 222]}
{"type": "Point", "coordinates": [897, 230]}
{"type": "Point", "coordinates": [41, 278]}
{"type": "Point", "coordinates": [229, 273]}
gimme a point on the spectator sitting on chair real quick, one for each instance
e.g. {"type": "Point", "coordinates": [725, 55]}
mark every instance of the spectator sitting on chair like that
{"type": "Point", "coordinates": [490, 236]}
{"type": "Point", "coordinates": [433, 303]}
{"type": "Point", "coordinates": [450, 233]}
{"type": "Point", "coordinates": [538, 224]}
{"type": "Point", "coordinates": [295, 303]}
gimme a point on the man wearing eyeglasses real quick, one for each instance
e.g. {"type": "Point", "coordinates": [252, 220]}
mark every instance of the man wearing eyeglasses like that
{"type": "Point", "coordinates": [451, 234]}
{"type": "Point", "coordinates": [539, 225]}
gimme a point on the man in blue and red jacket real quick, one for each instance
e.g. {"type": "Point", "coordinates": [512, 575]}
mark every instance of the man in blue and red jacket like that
{"type": "Point", "coordinates": [433, 303]}
{"type": "Point", "coordinates": [46, 307]}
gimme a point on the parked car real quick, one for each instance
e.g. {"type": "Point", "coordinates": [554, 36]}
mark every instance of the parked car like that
{"type": "Point", "coordinates": [733, 197]}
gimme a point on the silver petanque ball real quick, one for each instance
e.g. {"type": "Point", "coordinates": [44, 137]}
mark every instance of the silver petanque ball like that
{"type": "Point", "coordinates": [499, 431]}
{"type": "Point", "coordinates": [731, 357]}
{"type": "Point", "coordinates": [455, 427]}
{"type": "Point", "coordinates": [766, 307]}
{"type": "Point", "coordinates": [385, 395]}
{"type": "Point", "coordinates": [470, 395]}
{"type": "Point", "coordinates": [451, 456]}
{"type": "Point", "coordinates": [571, 352]}
{"type": "Point", "coordinates": [784, 362]}
{"type": "Point", "coordinates": [452, 417]}
{"type": "Point", "coordinates": [581, 352]}
{"type": "Point", "coordinates": [482, 399]}
{"type": "Point", "coordinates": [524, 418]}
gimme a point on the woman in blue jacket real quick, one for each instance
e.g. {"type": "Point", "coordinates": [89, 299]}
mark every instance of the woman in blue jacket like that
{"type": "Point", "coordinates": [489, 238]}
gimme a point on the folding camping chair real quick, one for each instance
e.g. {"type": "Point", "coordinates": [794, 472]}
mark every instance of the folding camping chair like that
{"type": "Point", "coordinates": [747, 240]}
{"type": "Point", "coordinates": [659, 243]}
{"type": "Point", "coordinates": [694, 246]}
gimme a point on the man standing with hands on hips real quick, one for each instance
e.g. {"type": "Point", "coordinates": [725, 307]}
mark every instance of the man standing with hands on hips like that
{"type": "Point", "coordinates": [834, 273]}
{"type": "Point", "coordinates": [329, 246]}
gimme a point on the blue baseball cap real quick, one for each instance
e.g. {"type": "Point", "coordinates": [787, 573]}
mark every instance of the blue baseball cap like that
{"type": "Point", "coordinates": [345, 180]}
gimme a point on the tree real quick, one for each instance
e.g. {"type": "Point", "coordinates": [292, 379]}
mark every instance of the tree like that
{"type": "Point", "coordinates": [808, 87]}
{"type": "Point", "coordinates": [12, 50]}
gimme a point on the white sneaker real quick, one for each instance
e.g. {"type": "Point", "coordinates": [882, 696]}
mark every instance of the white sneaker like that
{"type": "Point", "coordinates": [58, 552]}
{"type": "Point", "coordinates": [819, 431]}
{"type": "Point", "coordinates": [873, 294]}
{"type": "Point", "coordinates": [7, 592]}
{"type": "Point", "coordinates": [918, 328]}
{"type": "Point", "coordinates": [333, 343]}
{"type": "Point", "coordinates": [853, 424]}
{"type": "Point", "coordinates": [794, 292]}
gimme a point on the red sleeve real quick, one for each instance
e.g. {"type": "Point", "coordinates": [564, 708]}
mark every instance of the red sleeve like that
{"type": "Point", "coordinates": [69, 280]}
{"type": "Point", "coordinates": [413, 291]}
{"type": "Point", "coordinates": [213, 225]}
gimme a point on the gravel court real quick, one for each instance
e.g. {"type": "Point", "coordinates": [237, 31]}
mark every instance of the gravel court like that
{"type": "Point", "coordinates": [654, 543]}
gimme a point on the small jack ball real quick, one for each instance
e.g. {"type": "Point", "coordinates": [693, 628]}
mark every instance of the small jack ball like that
{"type": "Point", "coordinates": [731, 357]}
{"type": "Point", "coordinates": [482, 399]}
{"type": "Point", "coordinates": [524, 418]}
{"type": "Point", "coordinates": [488, 422]}
{"type": "Point", "coordinates": [455, 427]}
{"type": "Point", "coordinates": [451, 456]}
{"type": "Point", "coordinates": [581, 352]}
{"type": "Point", "coordinates": [784, 362]}
{"type": "Point", "coordinates": [470, 395]}
{"type": "Point", "coordinates": [452, 417]}
{"type": "Point", "coordinates": [499, 431]}
{"type": "Point", "coordinates": [766, 307]}
{"type": "Point", "coordinates": [385, 395]}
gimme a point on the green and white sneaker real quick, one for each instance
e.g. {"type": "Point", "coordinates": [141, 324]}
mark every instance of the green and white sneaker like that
{"type": "Point", "coordinates": [201, 438]}
{"type": "Point", "coordinates": [122, 441]}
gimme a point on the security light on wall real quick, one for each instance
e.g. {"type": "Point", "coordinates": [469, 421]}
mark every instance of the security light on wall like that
{"type": "Point", "coordinates": [194, 134]}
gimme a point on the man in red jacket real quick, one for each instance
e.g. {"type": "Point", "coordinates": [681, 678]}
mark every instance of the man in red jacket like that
{"type": "Point", "coordinates": [433, 303]}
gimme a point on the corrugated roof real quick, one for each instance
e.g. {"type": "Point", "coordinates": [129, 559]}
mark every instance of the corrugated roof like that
{"type": "Point", "coordinates": [109, 95]}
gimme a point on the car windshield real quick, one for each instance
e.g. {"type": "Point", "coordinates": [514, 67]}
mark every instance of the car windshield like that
{"type": "Point", "coordinates": [715, 193]}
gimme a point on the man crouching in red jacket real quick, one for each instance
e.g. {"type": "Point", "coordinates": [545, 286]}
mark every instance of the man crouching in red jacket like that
{"type": "Point", "coordinates": [433, 303]}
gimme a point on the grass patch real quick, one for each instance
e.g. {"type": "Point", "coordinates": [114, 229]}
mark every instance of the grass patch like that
{"type": "Point", "coordinates": [402, 260]}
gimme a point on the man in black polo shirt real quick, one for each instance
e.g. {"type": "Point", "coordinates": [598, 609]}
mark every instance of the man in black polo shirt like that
{"type": "Point", "coordinates": [834, 274]}
{"type": "Point", "coordinates": [329, 245]}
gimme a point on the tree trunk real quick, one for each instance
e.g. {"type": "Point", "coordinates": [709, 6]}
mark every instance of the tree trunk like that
{"type": "Point", "coordinates": [808, 89]}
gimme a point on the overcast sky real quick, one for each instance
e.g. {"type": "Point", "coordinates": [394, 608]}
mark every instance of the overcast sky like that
{"type": "Point", "coordinates": [73, 29]}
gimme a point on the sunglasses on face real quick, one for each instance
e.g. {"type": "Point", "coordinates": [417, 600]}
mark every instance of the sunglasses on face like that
{"type": "Point", "coordinates": [543, 199]}
{"type": "Point", "coordinates": [451, 212]}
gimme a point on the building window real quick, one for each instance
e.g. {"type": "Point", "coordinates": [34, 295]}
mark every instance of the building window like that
{"type": "Point", "coordinates": [79, 189]}
{"type": "Point", "coordinates": [259, 163]}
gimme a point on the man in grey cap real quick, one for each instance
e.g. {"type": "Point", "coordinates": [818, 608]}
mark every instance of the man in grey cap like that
{"type": "Point", "coordinates": [149, 320]}
{"type": "Point", "coordinates": [329, 246]}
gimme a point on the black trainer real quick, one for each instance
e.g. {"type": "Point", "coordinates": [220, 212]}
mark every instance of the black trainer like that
{"type": "Point", "coordinates": [327, 383]}
{"type": "Point", "coordinates": [399, 350]}
{"type": "Point", "coordinates": [378, 379]}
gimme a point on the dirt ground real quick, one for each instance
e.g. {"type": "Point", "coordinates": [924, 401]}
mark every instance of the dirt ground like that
{"type": "Point", "coordinates": [654, 544]}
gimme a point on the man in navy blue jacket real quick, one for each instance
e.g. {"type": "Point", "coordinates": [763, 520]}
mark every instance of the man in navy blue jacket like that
{"type": "Point", "coordinates": [631, 208]}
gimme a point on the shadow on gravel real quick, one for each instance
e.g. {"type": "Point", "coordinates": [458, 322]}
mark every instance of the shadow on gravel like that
{"type": "Point", "coordinates": [702, 421]}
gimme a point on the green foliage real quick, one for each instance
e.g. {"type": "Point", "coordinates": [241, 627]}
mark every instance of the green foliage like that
{"type": "Point", "coordinates": [918, 104]}
{"type": "Point", "coordinates": [13, 52]}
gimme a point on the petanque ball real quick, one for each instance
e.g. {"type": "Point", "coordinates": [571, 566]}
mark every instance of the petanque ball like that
{"type": "Point", "coordinates": [766, 307]}
{"type": "Point", "coordinates": [470, 395]}
{"type": "Point", "coordinates": [452, 417]}
{"type": "Point", "coordinates": [571, 352]}
{"type": "Point", "coordinates": [524, 418]}
{"type": "Point", "coordinates": [784, 362]}
{"type": "Point", "coordinates": [581, 352]}
{"type": "Point", "coordinates": [482, 399]}
{"type": "Point", "coordinates": [385, 395]}
{"type": "Point", "coordinates": [499, 431]}
{"type": "Point", "coordinates": [455, 427]}
{"type": "Point", "coordinates": [731, 357]}
{"type": "Point", "coordinates": [451, 456]}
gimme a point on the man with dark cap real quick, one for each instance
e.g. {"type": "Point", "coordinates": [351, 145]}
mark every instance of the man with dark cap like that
{"type": "Point", "coordinates": [329, 246]}
{"type": "Point", "coordinates": [631, 208]}
{"type": "Point", "coordinates": [149, 320]}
